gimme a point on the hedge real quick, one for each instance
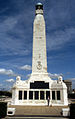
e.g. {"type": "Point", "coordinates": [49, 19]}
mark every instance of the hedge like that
{"type": "Point", "coordinates": [3, 109]}
{"type": "Point", "coordinates": [72, 111]}
{"type": "Point", "coordinates": [5, 93]}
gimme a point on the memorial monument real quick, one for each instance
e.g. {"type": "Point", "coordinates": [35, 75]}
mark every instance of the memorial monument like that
{"type": "Point", "coordinates": [37, 89]}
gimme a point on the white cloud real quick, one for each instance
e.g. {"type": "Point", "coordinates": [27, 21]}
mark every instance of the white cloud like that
{"type": "Point", "coordinates": [54, 76]}
{"type": "Point", "coordinates": [10, 80]}
{"type": "Point", "coordinates": [8, 31]}
{"type": "Point", "coordinates": [7, 72]}
{"type": "Point", "coordinates": [26, 67]}
{"type": "Point", "coordinates": [28, 75]}
{"type": "Point", "coordinates": [1, 85]}
{"type": "Point", "coordinates": [72, 79]}
{"type": "Point", "coordinates": [58, 14]}
{"type": "Point", "coordinates": [59, 38]}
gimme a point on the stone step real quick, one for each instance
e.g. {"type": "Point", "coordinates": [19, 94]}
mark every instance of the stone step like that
{"type": "Point", "coordinates": [38, 110]}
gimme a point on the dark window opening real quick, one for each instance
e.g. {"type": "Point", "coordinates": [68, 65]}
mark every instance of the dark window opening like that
{"type": "Point", "coordinates": [58, 95]}
{"type": "Point", "coordinates": [39, 85]}
{"type": "Point", "coordinates": [47, 94]}
{"type": "Point", "coordinates": [36, 95]}
{"type": "Point", "coordinates": [53, 95]}
{"type": "Point", "coordinates": [41, 95]}
{"type": "Point", "coordinates": [20, 95]}
{"type": "Point", "coordinates": [30, 94]}
{"type": "Point", "coordinates": [25, 94]}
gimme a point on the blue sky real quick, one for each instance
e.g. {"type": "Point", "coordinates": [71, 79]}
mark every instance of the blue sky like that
{"type": "Point", "coordinates": [16, 37]}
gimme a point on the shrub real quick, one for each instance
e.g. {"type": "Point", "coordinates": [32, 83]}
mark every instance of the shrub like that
{"type": "Point", "coordinates": [72, 111]}
{"type": "Point", "coordinates": [3, 109]}
{"type": "Point", "coordinates": [71, 96]}
{"type": "Point", "coordinates": [5, 93]}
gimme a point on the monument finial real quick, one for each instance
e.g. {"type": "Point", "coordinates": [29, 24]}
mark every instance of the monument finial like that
{"type": "Point", "coordinates": [39, 3]}
{"type": "Point", "coordinates": [39, 8]}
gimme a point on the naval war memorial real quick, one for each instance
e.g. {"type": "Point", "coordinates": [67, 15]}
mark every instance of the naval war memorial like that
{"type": "Point", "coordinates": [39, 86]}
{"type": "Point", "coordinates": [30, 97]}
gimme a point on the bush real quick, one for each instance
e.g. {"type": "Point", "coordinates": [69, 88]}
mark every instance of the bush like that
{"type": "Point", "coordinates": [72, 111]}
{"type": "Point", "coordinates": [5, 93]}
{"type": "Point", "coordinates": [71, 96]}
{"type": "Point", "coordinates": [3, 109]}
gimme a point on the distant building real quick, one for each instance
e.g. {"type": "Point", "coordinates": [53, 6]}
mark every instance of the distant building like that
{"type": "Point", "coordinates": [69, 86]}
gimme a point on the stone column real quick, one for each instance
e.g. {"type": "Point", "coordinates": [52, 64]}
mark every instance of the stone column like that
{"type": "Point", "coordinates": [65, 97]}
{"type": "Point", "coordinates": [16, 96]}
{"type": "Point", "coordinates": [45, 95]}
{"type": "Point", "coordinates": [55, 95]}
{"type": "Point", "coordinates": [39, 95]}
{"type": "Point", "coordinates": [23, 95]}
{"type": "Point", "coordinates": [28, 95]}
{"type": "Point", "coordinates": [60, 95]}
{"type": "Point", "coordinates": [50, 97]}
{"type": "Point", "coordinates": [13, 96]}
{"type": "Point", "coordinates": [33, 95]}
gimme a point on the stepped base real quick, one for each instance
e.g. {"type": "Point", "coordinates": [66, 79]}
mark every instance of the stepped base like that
{"type": "Point", "coordinates": [54, 111]}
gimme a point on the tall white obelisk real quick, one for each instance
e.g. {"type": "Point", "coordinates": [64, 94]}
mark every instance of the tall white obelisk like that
{"type": "Point", "coordinates": [39, 60]}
